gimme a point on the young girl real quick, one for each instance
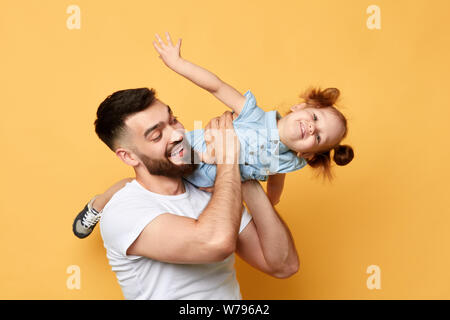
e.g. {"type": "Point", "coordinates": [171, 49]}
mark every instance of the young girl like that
{"type": "Point", "coordinates": [271, 145]}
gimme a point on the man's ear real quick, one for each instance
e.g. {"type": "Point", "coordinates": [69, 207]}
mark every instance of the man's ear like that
{"type": "Point", "coordinates": [127, 157]}
{"type": "Point", "coordinates": [305, 155]}
{"type": "Point", "coordinates": [298, 107]}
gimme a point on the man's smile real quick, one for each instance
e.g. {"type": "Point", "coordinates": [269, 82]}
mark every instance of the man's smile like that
{"type": "Point", "coordinates": [177, 151]}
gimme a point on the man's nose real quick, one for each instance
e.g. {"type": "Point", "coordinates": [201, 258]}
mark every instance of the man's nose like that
{"type": "Point", "coordinates": [176, 135]}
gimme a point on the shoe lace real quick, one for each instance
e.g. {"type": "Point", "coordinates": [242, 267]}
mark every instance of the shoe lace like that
{"type": "Point", "coordinates": [90, 219]}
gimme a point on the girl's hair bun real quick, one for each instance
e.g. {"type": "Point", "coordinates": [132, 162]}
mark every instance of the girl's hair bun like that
{"type": "Point", "coordinates": [321, 98]}
{"type": "Point", "coordinates": [343, 154]}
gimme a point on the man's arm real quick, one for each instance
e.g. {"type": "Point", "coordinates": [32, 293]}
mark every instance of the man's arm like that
{"type": "Point", "coordinates": [205, 79]}
{"type": "Point", "coordinates": [266, 243]}
{"type": "Point", "coordinates": [211, 238]}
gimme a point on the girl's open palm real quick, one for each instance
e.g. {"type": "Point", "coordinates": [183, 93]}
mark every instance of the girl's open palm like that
{"type": "Point", "coordinates": [169, 52]}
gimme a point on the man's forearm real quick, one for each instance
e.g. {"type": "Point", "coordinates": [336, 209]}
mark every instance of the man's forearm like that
{"type": "Point", "coordinates": [222, 216]}
{"type": "Point", "coordinates": [275, 238]}
{"type": "Point", "coordinates": [198, 75]}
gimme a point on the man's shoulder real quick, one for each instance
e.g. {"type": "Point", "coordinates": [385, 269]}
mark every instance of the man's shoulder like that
{"type": "Point", "coordinates": [127, 192]}
{"type": "Point", "coordinates": [127, 208]}
{"type": "Point", "coordinates": [133, 199]}
{"type": "Point", "coordinates": [129, 199]}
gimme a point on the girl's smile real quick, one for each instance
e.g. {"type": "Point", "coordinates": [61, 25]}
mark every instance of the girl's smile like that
{"type": "Point", "coordinates": [309, 130]}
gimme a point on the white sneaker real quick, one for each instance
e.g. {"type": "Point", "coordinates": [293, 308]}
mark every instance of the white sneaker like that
{"type": "Point", "coordinates": [86, 220]}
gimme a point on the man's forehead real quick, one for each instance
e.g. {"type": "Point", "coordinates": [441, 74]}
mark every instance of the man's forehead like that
{"type": "Point", "coordinates": [155, 113]}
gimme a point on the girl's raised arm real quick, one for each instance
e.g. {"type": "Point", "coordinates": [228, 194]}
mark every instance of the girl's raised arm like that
{"type": "Point", "coordinates": [205, 79]}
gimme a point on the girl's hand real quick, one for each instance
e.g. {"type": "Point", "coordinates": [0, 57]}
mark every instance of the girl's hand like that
{"type": "Point", "coordinates": [169, 53]}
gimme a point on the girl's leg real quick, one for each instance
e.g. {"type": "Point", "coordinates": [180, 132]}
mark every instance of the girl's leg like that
{"type": "Point", "coordinates": [88, 218]}
{"type": "Point", "coordinates": [102, 199]}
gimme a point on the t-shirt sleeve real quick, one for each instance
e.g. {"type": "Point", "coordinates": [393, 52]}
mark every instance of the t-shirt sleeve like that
{"type": "Point", "coordinates": [122, 222]}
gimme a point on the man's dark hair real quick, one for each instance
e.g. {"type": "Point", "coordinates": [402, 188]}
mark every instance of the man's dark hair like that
{"type": "Point", "coordinates": [112, 112]}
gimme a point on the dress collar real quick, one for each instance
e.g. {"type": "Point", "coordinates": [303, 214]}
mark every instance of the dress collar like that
{"type": "Point", "coordinates": [274, 115]}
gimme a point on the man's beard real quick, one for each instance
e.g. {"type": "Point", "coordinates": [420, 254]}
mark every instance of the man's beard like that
{"type": "Point", "coordinates": [164, 167]}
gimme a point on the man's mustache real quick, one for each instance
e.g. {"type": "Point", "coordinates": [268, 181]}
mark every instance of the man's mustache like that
{"type": "Point", "coordinates": [175, 145]}
{"type": "Point", "coordinates": [194, 157]}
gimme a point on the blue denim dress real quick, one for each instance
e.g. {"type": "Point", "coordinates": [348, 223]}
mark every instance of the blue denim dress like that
{"type": "Point", "coordinates": [261, 151]}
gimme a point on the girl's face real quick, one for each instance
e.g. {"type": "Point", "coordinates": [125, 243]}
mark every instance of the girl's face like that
{"type": "Point", "coordinates": [309, 130]}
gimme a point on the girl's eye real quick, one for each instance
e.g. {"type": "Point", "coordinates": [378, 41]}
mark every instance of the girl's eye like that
{"type": "Point", "coordinates": [318, 139]}
{"type": "Point", "coordinates": [314, 117]}
{"type": "Point", "coordinates": [174, 120]}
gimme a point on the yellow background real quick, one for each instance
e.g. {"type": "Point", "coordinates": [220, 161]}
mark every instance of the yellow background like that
{"type": "Point", "coordinates": [388, 208]}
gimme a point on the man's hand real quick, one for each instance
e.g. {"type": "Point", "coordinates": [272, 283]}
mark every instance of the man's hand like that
{"type": "Point", "coordinates": [222, 143]}
{"type": "Point", "coordinates": [169, 52]}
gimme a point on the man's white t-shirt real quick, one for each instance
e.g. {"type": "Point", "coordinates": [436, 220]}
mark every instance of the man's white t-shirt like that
{"type": "Point", "coordinates": [123, 219]}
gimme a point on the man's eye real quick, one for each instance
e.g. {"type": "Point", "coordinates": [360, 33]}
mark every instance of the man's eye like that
{"type": "Point", "coordinates": [157, 138]}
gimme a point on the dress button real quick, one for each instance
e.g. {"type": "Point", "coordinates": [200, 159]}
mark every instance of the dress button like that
{"type": "Point", "coordinates": [251, 153]}
{"type": "Point", "coordinates": [262, 147]}
{"type": "Point", "coordinates": [246, 163]}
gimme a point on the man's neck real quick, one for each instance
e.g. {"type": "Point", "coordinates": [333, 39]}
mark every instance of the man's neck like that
{"type": "Point", "coordinates": [160, 184]}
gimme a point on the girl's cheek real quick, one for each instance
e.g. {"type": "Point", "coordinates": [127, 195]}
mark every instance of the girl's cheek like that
{"type": "Point", "coordinates": [310, 144]}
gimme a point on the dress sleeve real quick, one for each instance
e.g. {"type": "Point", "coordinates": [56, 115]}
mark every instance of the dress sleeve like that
{"type": "Point", "coordinates": [250, 112]}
